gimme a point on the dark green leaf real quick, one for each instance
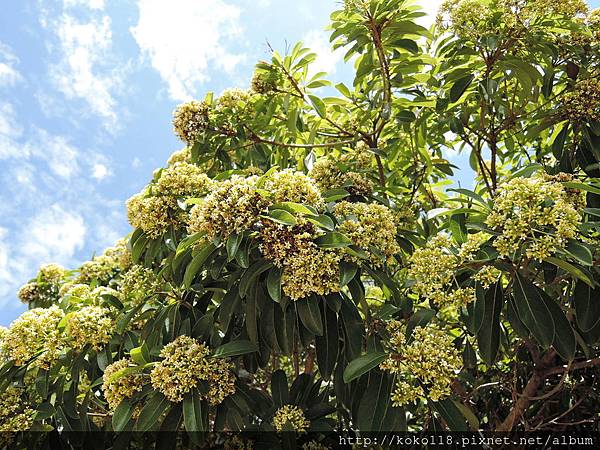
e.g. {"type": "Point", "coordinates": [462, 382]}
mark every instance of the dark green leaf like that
{"type": "Point", "coordinates": [362, 365]}
{"type": "Point", "coordinates": [235, 348]}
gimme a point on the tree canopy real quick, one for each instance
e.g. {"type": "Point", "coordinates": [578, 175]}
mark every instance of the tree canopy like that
{"type": "Point", "coordinates": [307, 263]}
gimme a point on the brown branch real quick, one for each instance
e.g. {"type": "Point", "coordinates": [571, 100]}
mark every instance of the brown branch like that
{"type": "Point", "coordinates": [309, 364]}
{"type": "Point", "coordinates": [575, 366]}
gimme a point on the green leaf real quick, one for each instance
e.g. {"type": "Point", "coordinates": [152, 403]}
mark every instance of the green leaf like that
{"type": "Point", "coordinates": [281, 216]}
{"type": "Point", "coordinates": [333, 195]}
{"type": "Point", "coordinates": [419, 319]}
{"type": "Point", "coordinates": [333, 239]}
{"type": "Point", "coordinates": [156, 405]}
{"type": "Point", "coordinates": [279, 389]}
{"type": "Point", "coordinates": [310, 314]}
{"type": "Point", "coordinates": [587, 306]}
{"type": "Point", "coordinates": [196, 264]}
{"type": "Point", "coordinates": [274, 283]}
{"type": "Point", "coordinates": [327, 346]}
{"type": "Point", "coordinates": [235, 348]}
{"type": "Point", "coordinates": [451, 414]}
{"type": "Point", "coordinates": [251, 273]}
{"type": "Point", "coordinates": [570, 268]}
{"type": "Point", "coordinates": [362, 365]}
{"type": "Point", "coordinates": [322, 221]}
{"type": "Point", "coordinates": [488, 335]}
{"type": "Point", "coordinates": [347, 272]}
{"type": "Point", "coordinates": [122, 415]}
{"type": "Point", "coordinates": [195, 412]}
{"type": "Point", "coordinates": [580, 252]}
{"type": "Point", "coordinates": [140, 354]}
{"type": "Point", "coordinates": [533, 311]}
{"type": "Point", "coordinates": [459, 87]}
{"type": "Point", "coordinates": [319, 105]}
{"type": "Point", "coordinates": [233, 244]}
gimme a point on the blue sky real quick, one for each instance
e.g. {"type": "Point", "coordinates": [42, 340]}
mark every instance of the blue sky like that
{"type": "Point", "coordinates": [87, 88]}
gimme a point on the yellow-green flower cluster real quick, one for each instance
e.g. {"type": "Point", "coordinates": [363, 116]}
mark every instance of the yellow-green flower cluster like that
{"type": "Point", "coordinates": [487, 275]}
{"type": "Point", "coordinates": [190, 120]}
{"type": "Point", "coordinates": [184, 155]}
{"type": "Point", "coordinates": [233, 99]}
{"type": "Point", "coordinates": [307, 269]}
{"type": "Point", "coordinates": [77, 291]}
{"type": "Point", "coordinates": [583, 102]}
{"type": "Point", "coordinates": [33, 332]}
{"type": "Point", "coordinates": [182, 180]}
{"type": "Point", "coordinates": [432, 266]}
{"type": "Point", "coordinates": [466, 18]}
{"type": "Point", "coordinates": [429, 361]}
{"type": "Point", "coordinates": [138, 284]}
{"type": "Point", "coordinates": [118, 388]}
{"type": "Point", "coordinates": [535, 215]}
{"type": "Point", "coordinates": [15, 413]}
{"type": "Point", "coordinates": [266, 82]}
{"type": "Point", "coordinates": [292, 416]}
{"type": "Point", "coordinates": [186, 362]}
{"type": "Point", "coordinates": [103, 267]}
{"type": "Point", "coordinates": [232, 207]}
{"type": "Point", "coordinates": [29, 292]}
{"type": "Point", "coordinates": [92, 325]}
{"type": "Point", "coordinates": [567, 8]}
{"type": "Point", "coordinates": [51, 273]}
{"type": "Point", "coordinates": [327, 175]}
{"type": "Point", "coordinates": [291, 186]}
{"type": "Point", "coordinates": [370, 226]}
{"type": "Point", "coordinates": [155, 209]}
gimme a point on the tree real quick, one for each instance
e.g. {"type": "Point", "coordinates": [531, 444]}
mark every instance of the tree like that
{"type": "Point", "coordinates": [305, 264]}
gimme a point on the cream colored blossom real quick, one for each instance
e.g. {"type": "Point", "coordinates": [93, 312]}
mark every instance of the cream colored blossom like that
{"type": "Point", "coordinates": [118, 388]}
{"type": "Point", "coordinates": [307, 269]}
{"type": "Point", "coordinates": [234, 99]}
{"type": "Point", "coordinates": [292, 416]}
{"type": "Point", "coordinates": [371, 227]}
{"type": "Point", "coordinates": [185, 363]}
{"type": "Point", "coordinates": [51, 273]}
{"type": "Point", "coordinates": [139, 284]}
{"type": "Point", "coordinates": [29, 292]}
{"type": "Point", "coordinates": [535, 215]}
{"type": "Point", "coordinates": [153, 215]}
{"type": "Point", "coordinates": [184, 155]}
{"type": "Point", "coordinates": [583, 102]}
{"type": "Point", "coordinates": [429, 360]}
{"type": "Point", "coordinates": [33, 332]}
{"type": "Point", "coordinates": [16, 414]}
{"type": "Point", "coordinates": [328, 176]}
{"type": "Point", "coordinates": [291, 186]}
{"type": "Point", "coordinates": [233, 206]}
{"type": "Point", "coordinates": [182, 180]}
{"type": "Point", "coordinates": [190, 120]}
{"type": "Point", "coordinates": [487, 275]}
{"type": "Point", "coordinates": [102, 268]}
{"type": "Point", "coordinates": [90, 325]}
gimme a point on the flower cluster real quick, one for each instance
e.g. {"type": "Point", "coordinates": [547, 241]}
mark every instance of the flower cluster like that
{"type": "Point", "coordinates": [292, 416]}
{"type": "Point", "coordinates": [33, 332]}
{"type": "Point", "coordinates": [307, 269]}
{"type": "Point", "coordinates": [432, 266]}
{"type": "Point", "coordinates": [155, 209]}
{"type": "Point", "coordinates": [138, 284]}
{"type": "Point", "coordinates": [328, 175]}
{"type": "Point", "coordinates": [291, 186]}
{"type": "Point", "coordinates": [233, 99]}
{"type": "Point", "coordinates": [118, 384]}
{"type": "Point", "coordinates": [266, 82]}
{"type": "Point", "coordinates": [29, 292]}
{"type": "Point", "coordinates": [429, 362]}
{"type": "Point", "coordinates": [232, 207]}
{"type": "Point", "coordinates": [15, 413]}
{"type": "Point", "coordinates": [487, 275]}
{"type": "Point", "coordinates": [190, 120]}
{"type": "Point", "coordinates": [186, 363]}
{"type": "Point", "coordinates": [90, 325]}
{"type": "Point", "coordinates": [370, 226]}
{"type": "Point", "coordinates": [535, 215]}
{"type": "Point", "coordinates": [51, 273]}
{"type": "Point", "coordinates": [103, 267]}
{"type": "Point", "coordinates": [583, 102]}
{"type": "Point", "coordinates": [181, 156]}
{"type": "Point", "coordinates": [465, 18]}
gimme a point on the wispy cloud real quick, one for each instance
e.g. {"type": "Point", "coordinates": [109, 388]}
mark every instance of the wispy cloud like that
{"type": "Point", "coordinates": [9, 75]}
{"type": "Point", "coordinates": [184, 38]}
{"type": "Point", "coordinates": [327, 59]}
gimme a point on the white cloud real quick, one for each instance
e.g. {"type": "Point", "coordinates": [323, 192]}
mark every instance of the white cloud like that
{"type": "Point", "coordinates": [431, 8]}
{"type": "Point", "coordinates": [183, 38]}
{"type": "Point", "coordinates": [327, 59]}
{"type": "Point", "coordinates": [84, 46]}
{"type": "Point", "coordinates": [100, 171]}
{"type": "Point", "coordinates": [53, 235]}
{"type": "Point", "coordinates": [92, 4]}
{"type": "Point", "coordinates": [8, 74]}
{"type": "Point", "coordinates": [10, 129]}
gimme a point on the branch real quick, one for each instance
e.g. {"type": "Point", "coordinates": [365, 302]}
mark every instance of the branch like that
{"type": "Point", "coordinates": [575, 366]}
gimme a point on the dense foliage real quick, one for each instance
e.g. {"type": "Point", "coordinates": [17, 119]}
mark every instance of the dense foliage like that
{"type": "Point", "coordinates": [305, 264]}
